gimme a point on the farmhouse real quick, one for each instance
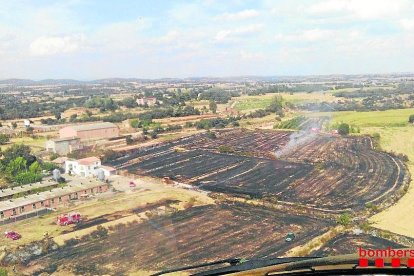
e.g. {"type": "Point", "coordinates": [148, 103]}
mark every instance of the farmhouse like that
{"type": "Point", "coordinates": [63, 146]}
{"type": "Point", "coordinates": [84, 167]}
{"type": "Point", "coordinates": [88, 167]}
{"type": "Point", "coordinates": [90, 131]}
{"type": "Point", "coordinates": [150, 101]}
{"type": "Point", "coordinates": [51, 199]}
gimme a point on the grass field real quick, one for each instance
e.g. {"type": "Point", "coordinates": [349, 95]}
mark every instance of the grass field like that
{"type": "Point", "coordinates": [247, 103]}
{"type": "Point", "coordinates": [36, 144]}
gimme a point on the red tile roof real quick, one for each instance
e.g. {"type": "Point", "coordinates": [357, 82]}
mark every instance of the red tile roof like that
{"type": "Point", "coordinates": [88, 160]}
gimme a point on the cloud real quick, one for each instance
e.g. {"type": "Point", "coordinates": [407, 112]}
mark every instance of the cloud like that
{"type": "Point", "coordinates": [307, 35]}
{"type": "Point", "coordinates": [241, 15]}
{"type": "Point", "coordinates": [53, 45]}
{"type": "Point", "coordinates": [407, 24]}
{"type": "Point", "coordinates": [361, 9]}
{"type": "Point", "coordinates": [231, 34]}
{"type": "Point", "coordinates": [246, 55]}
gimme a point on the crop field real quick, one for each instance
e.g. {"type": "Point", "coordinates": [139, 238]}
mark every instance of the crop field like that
{"type": "Point", "coordinates": [329, 172]}
{"type": "Point", "coordinates": [224, 231]}
{"type": "Point", "coordinates": [349, 244]}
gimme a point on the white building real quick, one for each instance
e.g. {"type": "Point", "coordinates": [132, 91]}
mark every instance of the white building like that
{"type": "Point", "coordinates": [87, 167]}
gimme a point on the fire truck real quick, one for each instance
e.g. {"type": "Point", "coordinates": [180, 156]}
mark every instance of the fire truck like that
{"type": "Point", "coordinates": [69, 219]}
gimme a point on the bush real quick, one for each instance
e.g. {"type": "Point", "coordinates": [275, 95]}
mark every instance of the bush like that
{"type": "Point", "coordinates": [4, 139]}
{"type": "Point", "coordinates": [225, 149]}
{"type": "Point", "coordinates": [27, 177]}
{"type": "Point", "coordinates": [343, 129]}
{"type": "Point", "coordinates": [411, 119]}
{"type": "Point", "coordinates": [344, 219]}
{"type": "Point", "coordinates": [211, 135]}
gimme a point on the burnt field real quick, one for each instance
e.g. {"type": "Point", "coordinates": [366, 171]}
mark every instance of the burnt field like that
{"type": "Point", "coordinates": [321, 171]}
{"type": "Point", "coordinates": [191, 236]}
{"type": "Point", "coordinates": [349, 244]}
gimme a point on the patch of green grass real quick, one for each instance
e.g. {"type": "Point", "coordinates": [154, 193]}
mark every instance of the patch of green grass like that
{"type": "Point", "coordinates": [253, 102]}
{"type": "Point", "coordinates": [387, 118]}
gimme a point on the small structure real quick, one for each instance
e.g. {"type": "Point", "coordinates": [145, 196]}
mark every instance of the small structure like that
{"type": "Point", "coordinates": [107, 170]}
{"type": "Point", "coordinates": [103, 130]}
{"type": "Point", "coordinates": [150, 101]}
{"type": "Point", "coordinates": [86, 167]}
{"type": "Point", "coordinates": [63, 146]}
{"type": "Point", "coordinates": [60, 161]}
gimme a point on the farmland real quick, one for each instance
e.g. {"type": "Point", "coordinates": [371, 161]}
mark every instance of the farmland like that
{"type": "Point", "coordinates": [348, 243]}
{"type": "Point", "coordinates": [330, 172]}
{"type": "Point", "coordinates": [222, 231]}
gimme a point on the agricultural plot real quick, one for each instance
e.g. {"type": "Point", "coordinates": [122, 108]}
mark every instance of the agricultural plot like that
{"type": "Point", "coordinates": [191, 236]}
{"type": "Point", "coordinates": [349, 244]}
{"type": "Point", "coordinates": [323, 171]}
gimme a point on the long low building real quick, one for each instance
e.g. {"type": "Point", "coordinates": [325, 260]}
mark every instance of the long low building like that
{"type": "Point", "coordinates": [103, 130]}
{"type": "Point", "coordinates": [9, 193]}
{"type": "Point", "coordinates": [50, 199]}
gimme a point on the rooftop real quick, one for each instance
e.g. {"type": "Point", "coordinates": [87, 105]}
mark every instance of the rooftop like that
{"type": "Point", "coordinates": [108, 168]}
{"type": "Point", "coordinates": [65, 139]}
{"type": "Point", "coordinates": [88, 160]}
{"type": "Point", "coordinates": [69, 189]}
{"type": "Point", "coordinates": [25, 188]}
{"type": "Point", "coordinates": [93, 126]}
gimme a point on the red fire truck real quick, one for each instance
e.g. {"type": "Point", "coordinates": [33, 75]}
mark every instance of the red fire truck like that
{"type": "Point", "coordinates": [69, 219]}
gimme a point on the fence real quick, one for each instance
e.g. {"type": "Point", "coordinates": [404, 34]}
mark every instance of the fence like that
{"type": "Point", "coordinates": [26, 216]}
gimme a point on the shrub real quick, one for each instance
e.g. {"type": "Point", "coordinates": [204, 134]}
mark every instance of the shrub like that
{"type": "Point", "coordinates": [343, 129]}
{"type": "Point", "coordinates": [225, 149]}
{"type": "Point", "coordinates": [344, 219]}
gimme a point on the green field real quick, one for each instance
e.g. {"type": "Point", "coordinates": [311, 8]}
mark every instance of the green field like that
{"type": "Point", "coordinates": [388, 118]}
{"type": "Point", "coordinates": [247, 103]}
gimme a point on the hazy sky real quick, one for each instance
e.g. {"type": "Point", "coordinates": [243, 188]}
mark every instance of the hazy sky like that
{"type": "Point", "coordinates": [150, 39]}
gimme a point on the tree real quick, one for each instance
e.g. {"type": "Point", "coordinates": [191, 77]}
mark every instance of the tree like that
{"type": "Point", "coordinates": [4, 139]}
{"type": "Point", "coordinates": [57, 114]}
{"type": "Point", "coordinates": [135, 123]}
{"type": "Point", "coordinates": [129, 102]}
{"type": "Point", "coordinates": [343, 129]}
{"type": "Point", "coordinates": [129, 140]}
{"type": "Point", "coordinates": [73, 118]}
{"type": "Point", "coordinates": [213, 106]}
{"type": "Point", "coordinates": [35, 167]}
{"type": "Point", "coordinates": [14, 125]}
{"type": "Point", "coordinates": [16, 166]}
{"type": "Point", "coordinates": [154, 134]}
{"type": "Point", "coordinates": [15, 151]}
{"type": "Point", "coordinates": [411, 119]}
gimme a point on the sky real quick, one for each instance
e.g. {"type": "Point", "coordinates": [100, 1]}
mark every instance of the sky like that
{"type": "Point", "coordinates": [91, 39]}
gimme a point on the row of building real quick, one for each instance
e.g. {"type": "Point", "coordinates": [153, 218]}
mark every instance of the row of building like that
{"type": "Point", "coordinates": [50, 199]}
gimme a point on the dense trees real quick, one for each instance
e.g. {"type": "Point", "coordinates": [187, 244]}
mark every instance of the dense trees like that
{"type": "Point", "coordinates": [218, 95]}
{"type": "Point", "coordinates": [103, 103]}
{"type": "Point", "coordinates": [128, 102]}
{"type": "Point", "coordinates": [215, 122]}
{"type": "Point", "coordinates": [18, 165]}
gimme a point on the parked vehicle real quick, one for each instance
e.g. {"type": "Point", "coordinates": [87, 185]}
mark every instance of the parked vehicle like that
{"type": "Point", "coordinates": [290, 237]}
{"type": "Point", "coordinates": [69, 219]}
{"type": "Point", "coordinates": [12, 235]}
